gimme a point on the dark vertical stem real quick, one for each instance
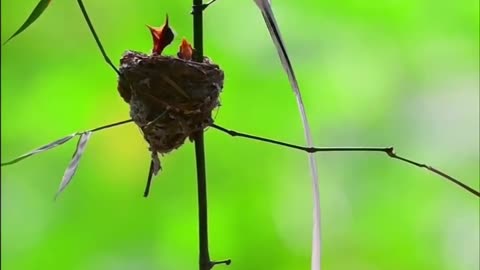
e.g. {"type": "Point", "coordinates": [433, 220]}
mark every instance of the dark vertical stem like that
{"type": "Point", "coordinates": [205, 263]}
{"type": "Point", "coordinates": [198, 30]}
{"type": "Point", "coordinates": [149, 180]}
{"type": "Point", "coordinates": [204, 260]}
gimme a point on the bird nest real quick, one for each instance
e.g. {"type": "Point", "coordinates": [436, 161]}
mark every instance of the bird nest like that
{"type": "Point", "coordinates": [170, 98]}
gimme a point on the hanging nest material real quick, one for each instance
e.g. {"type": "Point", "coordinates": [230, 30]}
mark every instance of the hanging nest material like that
{"type": "Point", "coordinates": [170, 98]}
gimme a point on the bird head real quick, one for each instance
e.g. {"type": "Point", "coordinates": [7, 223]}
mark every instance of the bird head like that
{"type": "Point", "coordinates": [162, 37]}
{"type": "Point", "coordinates": [185, 51]}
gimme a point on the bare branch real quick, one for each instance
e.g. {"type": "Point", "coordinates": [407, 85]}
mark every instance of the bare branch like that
{"type": "Point", "coordinates": [387, 150]}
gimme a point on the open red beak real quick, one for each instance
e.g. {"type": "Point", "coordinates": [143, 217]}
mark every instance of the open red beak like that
{"type": "Point", "coordinates": [162, 37]}
{"type": "Point", "coordinates": [185, 51]}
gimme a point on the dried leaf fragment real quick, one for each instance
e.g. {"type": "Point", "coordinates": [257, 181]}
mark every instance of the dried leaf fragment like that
{"type": "Point", "coordinates": [72, 167]}
{"type": "Point", "coordinates": [41, 149]}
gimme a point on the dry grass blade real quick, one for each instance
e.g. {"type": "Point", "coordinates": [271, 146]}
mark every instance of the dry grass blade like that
{"type": "Point", "coordinates": [267, 13]}
{"type": "Point", "coordinates": [41, 149]}
{"type": "Point", "coordinates": [62, 141]}
{"type": "Point", "coordinates": [37, 11]}
{"type": "Point", "coordinates": [72, 167]}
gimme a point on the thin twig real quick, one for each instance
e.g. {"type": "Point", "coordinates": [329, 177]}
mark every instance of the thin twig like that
{"type": "Point", "coordinates": [208, 4]}
{"type": "Point", "coordinates": [95, 36]}
{"type": "Point", "coordinates": [149, 180]}
{"type": "Point", "coordinates": [387, 150]}
{"type": "Point", "coordinates": [61, 141]}
{"type": "Point", "coordinates": [109, 62]}
{"type": "Point", "coordinates": [110, 125]}
{"type": "Point", "coordinates": [202, 7]}
{"type": "Point", "coordinates": [150, 124]}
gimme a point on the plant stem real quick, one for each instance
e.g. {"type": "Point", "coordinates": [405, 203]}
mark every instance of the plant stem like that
{"type": "Point", "coordinates": [204, 260]}
{"type": "Point", "coordinates": [387, 150]}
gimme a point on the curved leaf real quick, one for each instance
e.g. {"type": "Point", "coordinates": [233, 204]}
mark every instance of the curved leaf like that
{"type": "Point", "coordinates": [266, 9]}
{"type": "Point", "coordinates": [72, 167]}
{"type": "Point", "coordinates": [39, 9]}
{"type": "Point", "coordinates": [41, 149]}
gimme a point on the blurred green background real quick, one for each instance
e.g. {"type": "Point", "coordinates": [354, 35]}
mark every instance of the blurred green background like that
{"type": "Point", "coordinates": [378, 73]}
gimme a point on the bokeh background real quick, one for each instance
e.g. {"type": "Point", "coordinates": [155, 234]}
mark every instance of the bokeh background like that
{"type": "Point", "coordinates": [379, 73]}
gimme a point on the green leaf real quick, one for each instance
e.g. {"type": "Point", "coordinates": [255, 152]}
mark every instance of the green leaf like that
{"type": "Point", "coordinates": [39, 9]}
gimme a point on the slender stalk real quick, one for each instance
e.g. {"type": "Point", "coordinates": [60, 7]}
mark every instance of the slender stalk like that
{"type": "Point", "coordinates": [149, 180]}
{"type": "Point", "coordinates": [387, 150]}
{"type": "Point", "coordinates": [390, 151]}
{"type": "Point", "coordinates": [204, 259]}
{"type": "Point", "coordinates": [95, 36]}
{"type": "Point", "coordinates": [61, 141]}
{"type": "Point", "coordinates": [109, 126]}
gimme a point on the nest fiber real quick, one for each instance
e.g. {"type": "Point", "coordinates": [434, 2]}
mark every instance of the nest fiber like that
{"type": "Point", "coordinates": [170, 98]}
